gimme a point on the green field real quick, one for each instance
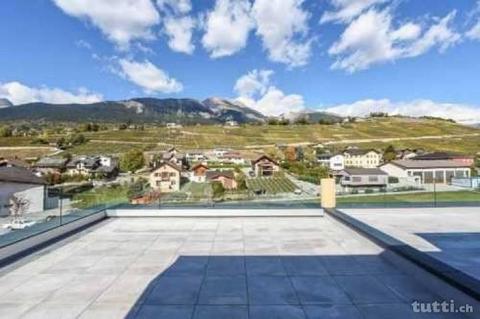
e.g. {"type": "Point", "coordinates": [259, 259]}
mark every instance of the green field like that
{"type": "Point", "coordinates": [460, 196]}
{"type": "Point", "coordinates": [272, 185]}
{"type": "Point", "coordinates": [265, 136]}
{"type": "Point", "coordinates": [197, 190]}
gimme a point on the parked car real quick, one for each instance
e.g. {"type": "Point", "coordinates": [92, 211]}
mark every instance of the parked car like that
{"type": "Point", "coordinates": [18, 224]}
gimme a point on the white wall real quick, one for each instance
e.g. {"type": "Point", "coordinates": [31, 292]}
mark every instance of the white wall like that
{"type": "Point", "coordinates": [394, 170]}
{"type": "Point", "coordinates": [33, 193]}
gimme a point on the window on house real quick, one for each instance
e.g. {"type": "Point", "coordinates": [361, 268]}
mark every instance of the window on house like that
{"type": "Point", "coordinates": [356, 179]}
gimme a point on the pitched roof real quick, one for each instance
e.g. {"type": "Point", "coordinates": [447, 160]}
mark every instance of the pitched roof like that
{"type": "Point", "coordinates": [355, 151]}
{"type": "Point", "coordinates": [13, 162]}
{"type": "Point", "coordinates": [440, 156]}
{"type": "Point", "coordinates": [51, 162]}
{"type": "Point", "coordinates": [194, 167]}
{"type": "Point", "coordinates": [364, 171]}
{"type": "Point", "coordinates": [406, 164]}
{"type": "Point", "coordinates": [215, 174]}
{"type": "Point", "coordinates": [169, 164]}
{"type": "Point", "coordinates": [264, 157]}
{"type": "Point", "coordinates": [19, 175]}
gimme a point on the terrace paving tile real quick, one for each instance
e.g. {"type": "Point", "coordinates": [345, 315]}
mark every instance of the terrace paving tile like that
{"type": "Point", "coordinates": [333, 312]}
{"type": "Point", "coordinates": [277, 312]}
{"type": "Point", "coordinates": [271, 267]}
{"type": "Point", "coordinates": [224, 290]}
{"type": "Point", "coordinates": [260, 265]}
{"type": "Point", "coordinates": [366, 289]}
{"type": "Point", "coordinates": [175, 290]}
{"type": "Point", "coordinates": [12, 310]}
{"type": "Point", "coordinates": [226, 265]}
{"type": "Point", "coordinates": [220, 312]}
{"type": "Point", "coordinates": [303, 266]}
{"type": "Point", "coordinates": [271, 290]}
{"type": "Point", "coordinates": [319, 290]}
{"type": "Point", "coordinates": [163, 312]}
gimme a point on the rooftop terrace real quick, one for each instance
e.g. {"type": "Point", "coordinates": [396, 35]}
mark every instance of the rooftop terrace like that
{"type": "Point", "coordinates": [244, 267]}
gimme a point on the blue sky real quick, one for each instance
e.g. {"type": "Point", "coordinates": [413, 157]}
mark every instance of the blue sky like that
{"type": "Point", "coordinates": [349, 56]}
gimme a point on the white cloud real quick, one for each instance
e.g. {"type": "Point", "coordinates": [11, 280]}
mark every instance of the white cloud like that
{"type": "Point", "coordinates": [474, 32]}
{"type": "Point", "coordinates": [19, 93]}
{"type": "Point", "coordinates": [179, 32]}
{"type": "Point", "coordinates": [256, 91]}
{"type": "Point", "coordinates": [178, 25]}
{"type": "Point", "coordinates": [149, 77]}
{"type": "Point", "coordinates": [177, 6]}
{"type": "Point", "coordinates": [346, 10]}
{"type": "Point", "coordinates": [254, 82]}
{"type": "Point", "coordinates": [439, 34]}
{"type": "Point", "coordinates": [122, 21]}
{"type": "Point", "coordinates": [283, 28]}
{"type": "Point", "coordinates": [227, 27]}
{"type": "Point", "coordinates": [372, 39]}
{"type": "Point", "coordinates": [461, 113]}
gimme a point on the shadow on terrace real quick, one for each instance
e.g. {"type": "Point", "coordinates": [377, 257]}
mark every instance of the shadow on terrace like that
{"type": "Point", "coordinates": [353, 286]}
{"type": "Point", "coordinates": [459, 250]}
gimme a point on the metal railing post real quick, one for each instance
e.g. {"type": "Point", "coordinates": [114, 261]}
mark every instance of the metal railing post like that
{"type": "Point", "coordinates": [61, 205]}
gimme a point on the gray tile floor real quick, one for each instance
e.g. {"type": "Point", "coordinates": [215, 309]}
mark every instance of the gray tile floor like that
{"type": "Point", "coordinates": [451, 234]}
{"type": "Point", "coordinates": [210, 268]}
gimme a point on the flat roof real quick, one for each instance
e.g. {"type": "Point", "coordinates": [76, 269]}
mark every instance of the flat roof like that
{"type": "Point", "coordinates": [19, 175]}
{"type": "Point", "coordinates": [364, 171]}
{"type": "Point", "coordinates": [210, 268]}
{"type": "Point", "coordinates": [426, 164]}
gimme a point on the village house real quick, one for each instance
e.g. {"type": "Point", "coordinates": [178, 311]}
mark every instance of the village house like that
{"type": "Point", "coordinates": [456, 157]}
{"type": "Point", "coordinates": [20, 182]}
{"type": "Point", "coordinates": [226, 178]}
{"type": "Point", "coordinates": [193, 157]}
{"type": "Point", "coordinates": [231, 123]}
{"type": "Point", "coordinates": [408, 153]}
{"type": "Point", "coordinates": [165, 178]}
{"type": "Point", "coordinates": [174, 126]}
{"type": "Point", "coordinates": [93, 166]}
{"type": "Point", "coordinates": [264, 166]}
{"type": "Point", "coordinates": [82, 165]}
{"type": "Point", "coordinates": [427, 171]}
{"type": "Point", "coordinates": [13, 162]}
{"type": "Point", "coordinates": [172, 155]}
{"type": "Point", "coordinates": [232, 158]}
{"type": "Point", "coordinates": [334, 162]}
{"type": "Point", "coordinates": [363, 179]}
{"type": "Point", "coordinates": [50, 165]}
{"type": "Point", "coordinates": [220, 152]}
{"type": "Point", "coordinates": [362, 158]}
{"type": "Point", "coordinates": [199, 173]}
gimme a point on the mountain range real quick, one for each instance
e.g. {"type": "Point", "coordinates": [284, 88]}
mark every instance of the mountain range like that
{"type": "Point", "coordinates": [139, 110]}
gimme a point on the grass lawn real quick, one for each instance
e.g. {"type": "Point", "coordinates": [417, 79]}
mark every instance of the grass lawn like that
{"type": "Point", "coordinates": [101, 196]}
{"type": "Point", "coordinates": [460, 196]}
{"type": "Point", "coordinates": [198, 190]}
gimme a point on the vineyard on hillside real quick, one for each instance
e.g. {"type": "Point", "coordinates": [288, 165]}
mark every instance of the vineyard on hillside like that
{"type": "Point", "coordinates": [271, 185]}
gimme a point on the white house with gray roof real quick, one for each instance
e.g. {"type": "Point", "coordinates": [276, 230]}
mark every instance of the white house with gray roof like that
{"type": "Point", "coordinates": [427, 171]}
{"type": "Point", "coordinates": [20, 182]}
